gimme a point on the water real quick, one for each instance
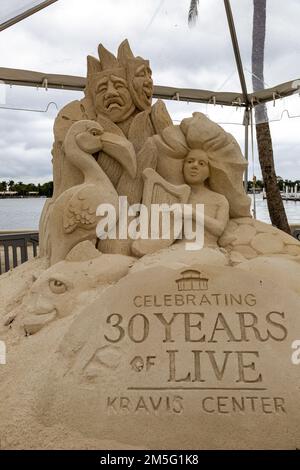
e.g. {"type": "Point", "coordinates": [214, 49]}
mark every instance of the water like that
{"type": "Point", "coordinates": [24, 213]}
{"type": "Point", "coordinates": [292, 209]}
{"type": "Point", "coordinates": [20, 214]}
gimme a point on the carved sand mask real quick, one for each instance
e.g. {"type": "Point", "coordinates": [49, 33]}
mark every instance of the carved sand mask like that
{"type": "Point", "coordinates": [112, 96]}
{"type": "Point", "coordinates": [139, 76]}
{"type": "Point", "coordinates": [140, 82]}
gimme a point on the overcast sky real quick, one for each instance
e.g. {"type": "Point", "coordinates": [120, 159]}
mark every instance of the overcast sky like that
{"type": "Point", "coordinates": [58, 39]}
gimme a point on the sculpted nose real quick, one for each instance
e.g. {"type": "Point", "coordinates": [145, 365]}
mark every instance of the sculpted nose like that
{"type": "Point", "coordinates": [40, 306]}
{"type": "Point", "coordinates": [111, 91]}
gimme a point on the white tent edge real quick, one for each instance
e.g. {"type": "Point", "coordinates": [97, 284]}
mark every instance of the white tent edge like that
{"type": "Point", "coordinates": [18, 77]}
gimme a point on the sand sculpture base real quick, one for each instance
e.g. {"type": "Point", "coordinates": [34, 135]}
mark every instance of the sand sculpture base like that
{"type": "Point", "coordinates": [175, 354]}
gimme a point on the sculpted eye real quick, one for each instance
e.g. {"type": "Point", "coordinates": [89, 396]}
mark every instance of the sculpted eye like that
{"type": "Point", "coordinates": [95, 132]}
{"type": "Point", "coordinates": [57, 287]}
{"type": "Point", "coordinates": [101, 89]}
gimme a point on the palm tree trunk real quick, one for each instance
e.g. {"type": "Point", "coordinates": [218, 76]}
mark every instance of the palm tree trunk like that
{"type": "Point", "coordinates": [263, 133]}
{"type": "Point", "coordinates": [193, 12]}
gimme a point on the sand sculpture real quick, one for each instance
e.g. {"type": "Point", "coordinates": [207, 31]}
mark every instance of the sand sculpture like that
{"type": "Point", "coordinates": [73, 215]}
{"type": "Point", "coordinates": [131, 334]}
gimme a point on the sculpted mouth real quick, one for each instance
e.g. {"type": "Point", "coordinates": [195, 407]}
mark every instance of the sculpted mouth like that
{"type": "Point", "coordinates": [148, 92]}
{"type": "Point", "coordinates": [40, 314]}
{"type": "Point", "coordinates": [113, 103]}
{"type": "Point", "coordinates": [36, 321]}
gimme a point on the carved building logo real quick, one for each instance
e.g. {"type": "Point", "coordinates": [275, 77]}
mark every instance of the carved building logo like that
{"type": "Point", "coordinates": [192, 280]}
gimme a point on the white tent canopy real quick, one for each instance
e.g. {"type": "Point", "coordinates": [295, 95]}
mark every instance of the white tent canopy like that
{"type": "Point", "coordinates": [13, 11]}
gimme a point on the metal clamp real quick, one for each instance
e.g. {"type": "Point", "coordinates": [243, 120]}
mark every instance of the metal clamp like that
{"type": "Point", "coordinates": [45, 83]}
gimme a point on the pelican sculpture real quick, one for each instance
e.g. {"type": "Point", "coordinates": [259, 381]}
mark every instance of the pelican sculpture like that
{"type": "Point", "coordinates": [73, 218]}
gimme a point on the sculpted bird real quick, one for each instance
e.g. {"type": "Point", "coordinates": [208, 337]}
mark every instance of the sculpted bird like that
{"type": "Point", "coordinates": [73, 218]}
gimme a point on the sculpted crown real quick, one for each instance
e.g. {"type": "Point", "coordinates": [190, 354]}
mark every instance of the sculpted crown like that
{"type": "Point", "coordinates": [125, 65]}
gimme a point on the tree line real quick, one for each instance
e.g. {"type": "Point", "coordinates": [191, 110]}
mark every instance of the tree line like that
{"type": "Point", "coordinates": [46, 189]}
{"type": "Point", "coordinates": [24, 189]}
{"type": "Point", "coordinates": [283, 185]}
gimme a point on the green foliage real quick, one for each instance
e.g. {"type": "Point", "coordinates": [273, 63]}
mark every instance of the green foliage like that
{"type": "Point", "coordinates": [3, 186]}
{"type": "Point", "coordinates": [24, 189]}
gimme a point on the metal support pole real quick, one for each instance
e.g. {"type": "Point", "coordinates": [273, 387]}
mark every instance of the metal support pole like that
{"type": "Point", "coordinates": [240, 69]}
{"type": "Point", "coordinates": [252, 153]}
{"type": "Point", "coordinates": [236, 50]}
{"type": "Point", "coordinates": [246, 124]}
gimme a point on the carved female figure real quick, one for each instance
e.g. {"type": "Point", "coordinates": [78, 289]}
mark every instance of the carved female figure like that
{"type": "Point", "coordinates": [196, 173]}
{"type": "Point", "coordinates": [208, 160]}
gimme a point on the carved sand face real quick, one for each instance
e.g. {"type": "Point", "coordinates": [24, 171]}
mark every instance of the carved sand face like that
{"type": "Point", "coordinates": [113, 98]}
{"type": "Point", "coordinates": [195, 167]}
{"type": "Point", "coordinates": [141, 84]}
{"type": "Point", "coordinates": [56, 292]}
{"type": "Point", "coordinates": [68, 287]}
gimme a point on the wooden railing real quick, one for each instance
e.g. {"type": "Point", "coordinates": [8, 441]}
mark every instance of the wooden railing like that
{"type": "Point", "coordinates": [16, 248]}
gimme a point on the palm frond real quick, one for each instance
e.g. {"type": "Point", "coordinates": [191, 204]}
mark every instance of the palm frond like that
{"type": "Point", "coordinates": [193, 12]}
